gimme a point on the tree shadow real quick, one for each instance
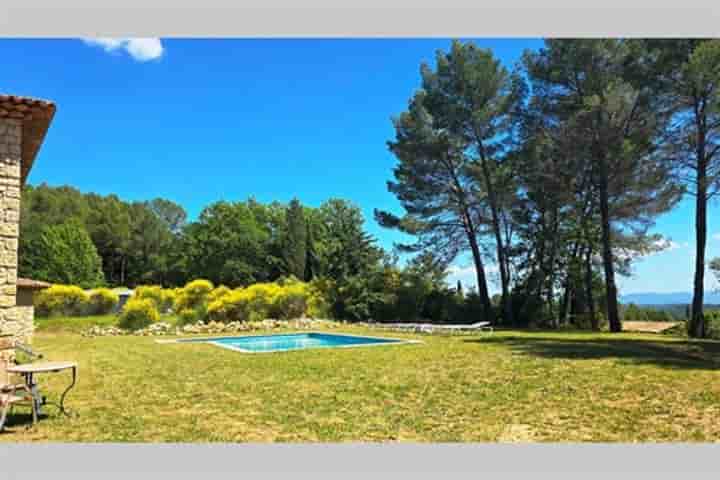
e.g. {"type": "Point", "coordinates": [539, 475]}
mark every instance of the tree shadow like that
{"type": "Point", "coordinates": [702, 355]}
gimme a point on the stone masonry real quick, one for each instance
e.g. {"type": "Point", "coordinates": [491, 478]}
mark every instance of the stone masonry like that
{"type": "Point", "coordinates": [10, 161]}
{"type": "Point", "coordinates": [11, 322]}
{"type": "Point", "coordinates": [23, 124]}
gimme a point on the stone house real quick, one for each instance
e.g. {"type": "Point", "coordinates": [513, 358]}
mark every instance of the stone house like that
{"type": "Point", "coordinates": [23, 125]}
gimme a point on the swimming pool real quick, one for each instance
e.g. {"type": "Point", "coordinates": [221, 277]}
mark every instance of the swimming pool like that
{"type": "Point", "coordinates": [294, 341]}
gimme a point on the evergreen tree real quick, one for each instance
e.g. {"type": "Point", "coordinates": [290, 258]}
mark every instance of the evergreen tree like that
{"type": "Point", "coordinates": [616, 114]}
{"type": "Point", "coordinates": [689, 76]}
{"type": "Point", "coordinates": [452, 179]}
{"type": "Point", "coordinates": [295, 244]}
{"type": "Point", "coordinates": [69, 256]}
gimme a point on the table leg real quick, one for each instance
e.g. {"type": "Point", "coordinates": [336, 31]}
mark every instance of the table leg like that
{"type": "Point", "coordinates": [35, 394]}
{"type": "Point", "coordinates": [62, 397]}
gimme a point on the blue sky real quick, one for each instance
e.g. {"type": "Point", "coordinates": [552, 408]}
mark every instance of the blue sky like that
{"type": "Point", "coordinates": [197, 121]}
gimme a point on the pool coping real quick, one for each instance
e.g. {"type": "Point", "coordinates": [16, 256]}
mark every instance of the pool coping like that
{"type": "Point", "coordinates": [209, 340]}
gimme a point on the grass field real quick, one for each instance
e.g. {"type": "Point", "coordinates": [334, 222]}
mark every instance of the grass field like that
{"type": "Point", "coordinates": [512, 386]}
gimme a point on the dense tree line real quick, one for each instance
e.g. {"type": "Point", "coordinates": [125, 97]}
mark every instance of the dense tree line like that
{"type": "Point", "coordinates": [92, 240]}
{"type": "Point", "coordinates": [114, 242]}
{"type": "Point", "coordinates": [554, 173]}
{"type": "Point", "coordinates": [129, 242]}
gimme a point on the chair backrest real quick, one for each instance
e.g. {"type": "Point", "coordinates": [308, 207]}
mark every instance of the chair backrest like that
{"type": "Point", "coordinates": [27, 350]}
{"type": "Point", "coordinates": [4, 364]}
{"type": "Point", "coordinates": [7, 351]}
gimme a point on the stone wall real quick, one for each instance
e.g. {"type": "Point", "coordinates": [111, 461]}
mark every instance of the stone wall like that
{"type": "Point", "coordinates": [11, 320]}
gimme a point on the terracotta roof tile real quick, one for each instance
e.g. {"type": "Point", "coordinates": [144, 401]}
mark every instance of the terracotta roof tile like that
{"type": "Point", "coordinates": [34, 284]}
{"type": "Point", "coordinates": [36, 115]}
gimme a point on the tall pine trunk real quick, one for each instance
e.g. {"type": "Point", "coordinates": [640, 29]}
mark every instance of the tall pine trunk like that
{"type": "Point", "coordinates": [589, 290]}
{"type": "Point", "coordinates": [497, 230]}
{"type": "Point", "coordinates": [481, 280]}
{"type": "Point", "coordinates": [607, 254]}
{"type": "Point", "coordinates": [697, 321]}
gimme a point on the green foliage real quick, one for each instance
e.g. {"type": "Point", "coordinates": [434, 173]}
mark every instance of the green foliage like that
{"type": "Point", "coordinates": [191, 301]}
{"type": "Point", "coordinates": [138, 313]}
{"type": "Point", "coordinates": [453, 177]}
{"type": "Point", "coordinates": [446, 306]}
{"type": "Point", "coordinates": [168, 297]}
{"type": "Point", "coordinates": [66, 300]}
{"type": "Point", "coordinates": [295, 247]}
{"type": "Point", "coordinates": [102, 301]}
{"type": "Point", "coordinates": [346, 249]}
{"type": "Point", "coordinates": [152, 292]}
{"type": "Point", "coordinates": [194, 293]}
{"type": "Point", "coordinates": [229, 243]}
{"type": "Point", "coordinates": [70, 256]}
{"type": "Point", "coordinates": [291, 301]}
{"type": "Point", "coordinates": [264, 300]}
{"type": "Point", "coordinates": [317, 305]}
{"type": "Point", "coordinates": [137, 242]}
{"type": "Point", "coordinates": [189, 315]}
{"type": "Point", "coordinates": [164, 298]}
{"type": "Point", "coordinates": [712, 324]}
{"type": "Point", "coordinates": [715, 267]}
{"type": "Point", "coordinates": [218, 293]}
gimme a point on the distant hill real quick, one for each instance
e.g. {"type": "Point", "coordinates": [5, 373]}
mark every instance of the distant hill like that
{"type": "Point", "coordinates": [674, 298]}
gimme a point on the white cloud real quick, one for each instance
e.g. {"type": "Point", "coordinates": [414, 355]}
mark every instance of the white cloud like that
{"type": "Point", "coordinates": [470, 269]}
{"type": "Point", "coordinates": [141, 49]}
{"type": "Point", "coordinates": [716, 236]}
{"type": "Point", "coordinates": [664, 244]}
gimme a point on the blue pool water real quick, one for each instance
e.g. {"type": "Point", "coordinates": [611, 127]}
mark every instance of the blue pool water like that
{"type": "Point", "coordinates": [297, 341]}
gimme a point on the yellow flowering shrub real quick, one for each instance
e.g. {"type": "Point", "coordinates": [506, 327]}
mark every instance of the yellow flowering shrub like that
{"type": "Point", "coordinates": [233, 306]}
{"type": "Point", "coordinates": [262, 300]}
{"type": "Point", "coordinates": [152, 292]}
{"type": "Point", "coordinates": [164, 298]}
{"type": "Point", "coordinates": [102, 301]}
{"type": "Point", "coordinates": [217, 293]}
{"type": "Point", "coordinates": [167, 298]}
{"type": "Point", "coordinates": [291, 301]}
{"type": "Point", "coordinates": [62, 300]}
{"type": "Point", "coordinates": [138, 313]}
{"type": "Point", "coordinates": [193, 295]}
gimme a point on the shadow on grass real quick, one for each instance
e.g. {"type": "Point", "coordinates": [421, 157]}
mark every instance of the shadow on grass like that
{"type": "Point", "coordinates": [704, 355]}
{"type": "Point", "coordinates": [17, 420]}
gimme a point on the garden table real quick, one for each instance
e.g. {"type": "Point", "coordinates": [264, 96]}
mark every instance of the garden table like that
{"type": "Point", "coordinates": [28, 371]}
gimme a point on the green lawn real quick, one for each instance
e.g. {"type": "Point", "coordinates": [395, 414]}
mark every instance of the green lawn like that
{"type": "Point", "coordinates": [78, 324]}
{"type": "Point", "coordinates": [513, 386]}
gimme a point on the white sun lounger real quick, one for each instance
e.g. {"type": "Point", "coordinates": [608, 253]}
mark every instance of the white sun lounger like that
{"type": "Point", "coordinates": [430, 327]}
{"type": "Point", "coordinates": [478, 326]}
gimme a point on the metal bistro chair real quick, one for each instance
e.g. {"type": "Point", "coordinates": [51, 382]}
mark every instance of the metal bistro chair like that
{"type": "Point", "coordinates": [13, 394]}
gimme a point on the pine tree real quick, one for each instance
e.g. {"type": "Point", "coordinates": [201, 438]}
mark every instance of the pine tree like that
{"type": "Point", "coordinates": [452, 179]}
{"type": "Point", "coordinates": [689, 76]}
{"type": "Point", "coordinates": [616, 114]}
